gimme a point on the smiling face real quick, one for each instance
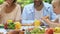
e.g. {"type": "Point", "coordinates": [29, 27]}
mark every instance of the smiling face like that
{"type": "Point", "coordinates": [37, 2]}
{"type": "Point", "coordinates": [56, 7]}
{"type": "Point", "coordinates": [10, 1]}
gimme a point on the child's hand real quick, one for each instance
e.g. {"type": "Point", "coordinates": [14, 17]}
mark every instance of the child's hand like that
{"type": "Point", "coordinates": [44, 18]}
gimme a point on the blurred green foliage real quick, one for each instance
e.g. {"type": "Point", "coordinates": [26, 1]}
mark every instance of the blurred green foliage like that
{"type": "Point", "coordinates": [1, 1]}
{"type": "Point", "coordinates": [49, 1]}
{"type": "Point", "coordinates": [25, 2]}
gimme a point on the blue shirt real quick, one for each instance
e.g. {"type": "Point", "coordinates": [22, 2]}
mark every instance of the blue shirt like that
{"type": "Point", "coordinates": [29, 13]}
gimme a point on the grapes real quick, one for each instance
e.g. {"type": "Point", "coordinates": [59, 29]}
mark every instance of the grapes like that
{"type": "Point", "coordinates": [37, 31]}
{"type": "Point", "coordinates": [11, 26]}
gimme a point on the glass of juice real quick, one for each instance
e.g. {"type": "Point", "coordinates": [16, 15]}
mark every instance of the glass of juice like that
{"type": "Point", "coordinates": [37, 23]}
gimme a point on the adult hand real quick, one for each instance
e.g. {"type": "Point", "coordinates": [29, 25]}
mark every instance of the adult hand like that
{"type": "Point", "coordinates": [9, 2]}
{"type": "Point", "coordinates": [5, 3]}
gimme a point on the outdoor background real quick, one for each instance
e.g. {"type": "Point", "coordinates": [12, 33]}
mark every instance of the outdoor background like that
{"type": "Point", "coordinates": [25, 2]}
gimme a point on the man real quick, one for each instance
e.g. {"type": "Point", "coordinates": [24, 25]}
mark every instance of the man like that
{"type": "Point", "coordinates": [36, 11]}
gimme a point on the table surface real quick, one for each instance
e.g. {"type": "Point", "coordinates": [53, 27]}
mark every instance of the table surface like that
{"type": "Point", "coordinates": [23, 27]}
{"type": "Point", "coordinates": [3, 30]}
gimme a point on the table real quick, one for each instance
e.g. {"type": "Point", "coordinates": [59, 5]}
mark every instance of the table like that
{"type": "Point", "coordinates": [3, 30]}
{"type": "Point", "coordinates": [23, 27]}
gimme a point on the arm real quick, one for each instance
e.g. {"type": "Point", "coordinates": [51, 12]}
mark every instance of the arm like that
{"type": "Point", "coordinates": [25, 19]}
{"type": "Point", "coordinates": [51, 24]}
{"type": "Point", "coordinates": [2, 7]}
{"type": "Point", "coordinates": [18, 14]}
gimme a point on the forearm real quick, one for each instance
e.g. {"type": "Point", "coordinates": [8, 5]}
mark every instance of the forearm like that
{"type": "Point", "coordinates": [52, 24]}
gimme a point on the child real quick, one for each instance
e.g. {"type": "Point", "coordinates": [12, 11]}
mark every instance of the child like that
{"type": "Point", "coordinates": [56, 8]}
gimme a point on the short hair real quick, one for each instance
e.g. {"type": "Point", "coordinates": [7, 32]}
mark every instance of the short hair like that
{"type": "Point", "coordinates": [14, 1]}
{"type": "Point", "coordinates": [56, 1]}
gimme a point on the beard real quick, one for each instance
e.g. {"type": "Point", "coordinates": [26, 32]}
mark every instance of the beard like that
{"type": "Point", "coordinates": [38, 3]}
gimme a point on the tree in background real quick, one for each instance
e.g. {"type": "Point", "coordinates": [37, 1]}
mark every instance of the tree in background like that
{"type": "Point", "coordinates": [1, 1]}
{"type": "Point", "coordinates": [49, 1]}
{"type": "Point", "coordinates": [25, 2]}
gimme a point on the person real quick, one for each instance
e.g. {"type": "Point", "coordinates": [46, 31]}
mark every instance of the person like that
{"type": "Point", "coordinates": [36, 11]}
{"type": "Point", "coordinates": [56, 22]}
{"type": "Point", "coordinates": [10, 10]}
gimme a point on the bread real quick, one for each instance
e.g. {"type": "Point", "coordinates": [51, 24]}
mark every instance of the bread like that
{"type": "Point", "coordinates": [13, 32]}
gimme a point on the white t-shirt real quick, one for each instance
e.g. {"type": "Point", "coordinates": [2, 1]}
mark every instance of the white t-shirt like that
{"type": "Point", "coordinates": [58, 17]}
{"type": "Point", "coordinates": [38, 14]}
